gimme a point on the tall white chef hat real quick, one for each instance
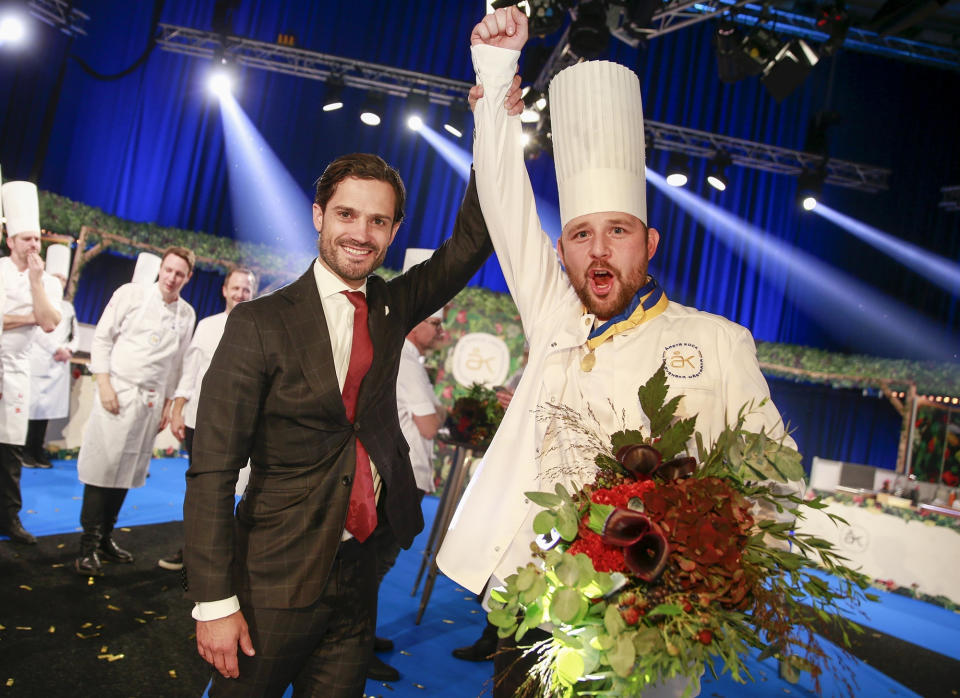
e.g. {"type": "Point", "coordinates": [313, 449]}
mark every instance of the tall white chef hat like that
{"type": "Point", "coordinates": [147, 269]}
{"type": "Point", "coordinates": [22, 208]}
{"type": "Point", "coordinates": [596, 117]}
{"type": "Point", "coordinates": [412, 257]}
{"type": "Point", "coordinates": [58, 260]}
{"type": "Point", "coordinates": [1, 207]}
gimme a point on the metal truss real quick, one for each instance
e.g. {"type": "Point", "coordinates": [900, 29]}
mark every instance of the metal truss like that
{"type": "Point", "coordinates": [313, 65]}
{"type": "Point", "coordinates": [951, 198]}
{"type": "Point", "coordinates": [399, 83]}
{"type": "Point", "coordinates": [769, 158]}
{"type": "Point", "coordinates": [60, 14]}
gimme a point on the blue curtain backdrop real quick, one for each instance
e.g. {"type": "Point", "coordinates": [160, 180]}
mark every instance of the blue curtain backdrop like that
{"type": "Point", "coordinates": [149, 146]}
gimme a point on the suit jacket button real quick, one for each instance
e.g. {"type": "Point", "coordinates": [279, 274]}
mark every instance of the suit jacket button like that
{"type": "Point", "coordinates": [346, 480]}
{"type": "Point", "coordinates": [356, 426]}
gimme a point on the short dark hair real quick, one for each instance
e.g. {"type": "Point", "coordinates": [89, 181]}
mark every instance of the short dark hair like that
{"type": "Point", "coordinates": [241, 270]}
{"type": "Point", "coordinates": [184, 254]}
{"type": "Point", "coordinates": [362, 166]}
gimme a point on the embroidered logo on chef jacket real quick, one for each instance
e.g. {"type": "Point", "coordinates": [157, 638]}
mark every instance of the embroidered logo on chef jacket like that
{"type": "Point", "coordinates": [683, 360]}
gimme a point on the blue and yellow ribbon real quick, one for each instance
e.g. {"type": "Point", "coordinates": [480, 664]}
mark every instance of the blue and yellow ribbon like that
{"type": "Point", "coordinates": [646, 304]}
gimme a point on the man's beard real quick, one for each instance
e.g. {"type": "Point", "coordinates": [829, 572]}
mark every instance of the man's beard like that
{"type": "Point", "coordinates": [605, 308]}
{"type": "Point", "coordinates": [352, 272]}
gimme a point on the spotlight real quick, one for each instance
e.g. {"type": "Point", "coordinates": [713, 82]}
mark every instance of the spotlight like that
{"type": "Point", "coordinates": [677, 170]}
{"type": "Point", "coordinates": [416, 108]}
{"type": "Point", "coordinates": [835, 23]}
{"type": "Point", "coordinates": [789, 67]}
{"type": "Point", "coordinates": [716, 174]}
{"type": "Point", "coordinates": [372, 111]}
{"type": "Point", "coordinates": [534, 102]}
{"type": "Point", "coordinates": [732, 63]}
{"type": "Point", "coordinates": [758, 48]}
{"type": "Point", "coordinates": [589, 33]}
{"type": "Point", "coordinates": [221, 79]}
{"type": "Point", "coordinates": [333, 99]}
{"type": "Point", "coordinates": [809, 185]}
{"type": "Point", "coordinates": [12, 28]}
{"type": "Point", "coordinates": [456, 123]}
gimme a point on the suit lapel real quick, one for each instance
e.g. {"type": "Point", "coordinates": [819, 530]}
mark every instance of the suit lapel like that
{"type": "Point", "coordinates": [310, 339]}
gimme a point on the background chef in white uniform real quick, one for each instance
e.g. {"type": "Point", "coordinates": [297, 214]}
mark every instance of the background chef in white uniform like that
{"type": "Point", "coordinates": [239, 285]}
{"type": "Point", "coordinates": [137, 352]}
{"type": "Point", "coordinates": [50, 357]}
{"type": "Point", "coordinates": [598, 329]}
{"type": "Point", "coordinates": [32, 301]}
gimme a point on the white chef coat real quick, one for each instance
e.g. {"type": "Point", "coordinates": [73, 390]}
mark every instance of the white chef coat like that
{"type": "Point", "coordinates": [415, 396]}
{"type": "Point", "coordinates": [711, 362]}
{"type": "Point", "coordinates": [140, 341]}
{"type": "Point", "coordinates": [49, 378]}
{"type": "Point", "coordinates": [206, 339]}
{"type": "Point", "coordinates": [15, 349]}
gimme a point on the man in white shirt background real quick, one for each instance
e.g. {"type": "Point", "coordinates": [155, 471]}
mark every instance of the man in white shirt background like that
{"type": "Point", "coordinates": [239, 285]}
{"type": "Point", "coordinates": [32, 301]}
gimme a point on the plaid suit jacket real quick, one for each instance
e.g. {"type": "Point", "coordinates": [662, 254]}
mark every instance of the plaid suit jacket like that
{"type": "Point", "coordinates": [271, 394]}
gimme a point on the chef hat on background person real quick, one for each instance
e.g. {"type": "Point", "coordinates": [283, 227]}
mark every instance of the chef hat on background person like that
{"type": "Point", "coordinates": [21, 207]}
{"type": "Point", "coordinates": [58, 260]}
{"type": "Point", "coordinates": [596, 118]}
{"type": "Point", "coordinates": [147, 269]}
{"type": "Point", "coordinates": [1, 206]}
{"type": "Point", "coordinates": [412, 257]}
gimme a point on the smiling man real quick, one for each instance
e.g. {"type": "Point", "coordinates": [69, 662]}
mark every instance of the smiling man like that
{"type": "Point", "coordinates": [136, 355]}
{"type": "Point", "coordinates": [304, 385]}
{"type": "Point", "coordinates": [598, 327]}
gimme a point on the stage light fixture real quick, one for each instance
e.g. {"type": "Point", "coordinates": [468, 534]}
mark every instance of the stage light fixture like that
{"type": "Point", "coordinates": [589, 33]}
{"type": "Point", "coordinates": [717, 172]}
{"type": "Point", "coordinates": [678, 171]}
{"type": "Point", "coordinates": [758, 48]}
{"type": "Point", "coordinates": [809, 185]}
{"type": "Point", "coordinates": [333, 99]}
{"type": "Point", "coordinates": [416, 108]}
{"type": "Point", "coordinates": [789, 68]}
{"type": "Point", "coordinates": [222, 78]}
{"type": "Point", "coordinates": [730, 57]}
{"type": "Point", "coordinates": [835, 23]}
{"type": "Point", "coordinates": [456, 123]}
{"type": "Point", "coordinates": [534, 102]}
{"type": "Point", "coordinates": [12, 28]}
{"type": "Point", "coordinates": [372, 111]}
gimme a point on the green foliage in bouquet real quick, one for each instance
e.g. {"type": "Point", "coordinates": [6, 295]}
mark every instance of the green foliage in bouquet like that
{"type": "Point", "coordinates": [474, 417]}
{"type": "Point", "coordinates": [664, 566]}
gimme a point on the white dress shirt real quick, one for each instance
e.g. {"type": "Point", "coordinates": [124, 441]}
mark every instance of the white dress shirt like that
{"type": "Point", "coordinates": [415, 396]}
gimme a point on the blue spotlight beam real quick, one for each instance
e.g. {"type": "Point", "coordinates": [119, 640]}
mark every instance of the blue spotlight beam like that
{"type": "Point", "coordinates": [851, 310]}
{"type": "Point", "coordinates": [268, 205]}
{"type": "Point", "coordinates": [939, 270]}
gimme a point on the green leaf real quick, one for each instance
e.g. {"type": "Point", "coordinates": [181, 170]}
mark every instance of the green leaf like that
{"type": "Point", "coordinates": [665, 609]}
{"type": "Point", "coordinates": [612, 620]}
{"type": "Point", "coordinates": [544, 499]}
{"type": "Point", "coordinates": [565, 606]}
{"type": "Point", "coordinates": [598, 517]}
{"type": "Point", "coordinates": [622, 657]}
{"type": "Point", "coordinates": [567, 523]}
{"type": "Point", "coordinates": [569, 666]}
{"type": "Point", "coordinates": [526, 578]}
{"type": "Point", "coordinates": [624, 438]}
{"type": "Point", "coordinates": [544, 522]}
{"type": "Point", "coordinates": [674, 439]}
{"type": "Point", "coordinates": [662, 419]}
{"type": "Point", "coordinates": [652, 393]}
{"type": "Point", "coordinates": [502, 618]}
{"type": "Point", "coordinates": [568, 571]}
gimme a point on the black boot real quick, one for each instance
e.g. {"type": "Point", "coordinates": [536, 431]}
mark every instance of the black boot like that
{"type": "Point", "coordinates": [482, 649]}
{"type": "Point", "coordinates": [88, 564]}
{"type": "Point", "coordinates": [17, 533]}
{"type": "Point", "coordinates": [109, 550]}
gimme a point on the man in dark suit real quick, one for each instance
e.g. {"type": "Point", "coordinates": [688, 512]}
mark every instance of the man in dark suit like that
{"type": "Point", "coordinates": [291, 579]}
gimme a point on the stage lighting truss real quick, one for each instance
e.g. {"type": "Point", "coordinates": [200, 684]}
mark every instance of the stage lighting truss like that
{"type": "Point", "coordinates": [717, 171]}
{"type": "Point", "coordinates": [399, 83]}
{"type": "Point", "coordinates": [951, 198]}
{"type": "Point", "coordinates": [60, 14]}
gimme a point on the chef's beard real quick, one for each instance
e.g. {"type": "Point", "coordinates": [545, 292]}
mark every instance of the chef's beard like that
{"type": "Point", "coordinates": [606, 308]}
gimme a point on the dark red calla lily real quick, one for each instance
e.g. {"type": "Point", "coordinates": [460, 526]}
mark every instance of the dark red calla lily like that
{"type": "Point", "coordinates": [640, 460]}
{"type": "Point", "coordinates": [678, 468]}
{"type": "Point", "coordinates": [624, 527]}
{"type": "Point", "coordinates": [647, 558]}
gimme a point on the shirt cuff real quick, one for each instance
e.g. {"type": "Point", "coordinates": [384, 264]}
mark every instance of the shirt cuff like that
{"type": "Point", "coordinates": [494, 65]}
{"type": "Point", "coordinates": [214, 610]}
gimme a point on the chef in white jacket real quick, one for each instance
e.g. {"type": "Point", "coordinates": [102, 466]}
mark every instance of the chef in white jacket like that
{"type": "Point", "coordinates": [32, 301]}
{"type": "Point", "coordinates": [239, 286]}
{"type": "Point", "coordinates": [50, 357]}
{"type": "Point", "coordinates": [598, 326]}
{"type": "Point", "coordinates": [136, 356]}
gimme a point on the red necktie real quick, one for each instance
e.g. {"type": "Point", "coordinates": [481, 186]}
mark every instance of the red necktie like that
{"type": "Point", "coordinates": [362, 514]}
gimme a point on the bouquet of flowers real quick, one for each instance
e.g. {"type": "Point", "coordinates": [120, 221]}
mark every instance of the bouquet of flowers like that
{"type": "Point", "coordinates": [664, 566]}
{"type": "Point", "coordinates": [474, 417]}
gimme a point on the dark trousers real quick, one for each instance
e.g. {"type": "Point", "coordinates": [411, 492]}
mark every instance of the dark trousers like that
{"type": "Point", "coordinates": [36, 436]}
{"type": "Point", "coordinates": [323, 650]}
{"type": "Point", "coordinates": [10, 500]}
{"type": "Point", "coordinates": [98, 514]}
{"type": "Point", "coordinates": [188, 442]}
{"type": "Point", "coordinates": [511, 667]}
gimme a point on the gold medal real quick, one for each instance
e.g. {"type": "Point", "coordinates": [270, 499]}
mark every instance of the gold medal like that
{"type": "Point", "coordinates": [588, 362]}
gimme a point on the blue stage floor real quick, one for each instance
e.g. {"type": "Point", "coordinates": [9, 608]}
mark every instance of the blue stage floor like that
{"type": "Point", "coordinates": [453, 618]}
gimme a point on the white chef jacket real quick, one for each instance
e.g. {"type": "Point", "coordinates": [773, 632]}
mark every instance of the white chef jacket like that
{"type": "Point", "coordinates": [415, 396]}
{"type": "Point", "coordinates": [49, 378]}
{"type": "Point", "coordinates": [15, 349]}
{"type": "Point", "coordinates": [206, 339]}
{"type": "Point", "coordinates": [140, 341]}
{"type": "Point", "coordinates": [710, 361]}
